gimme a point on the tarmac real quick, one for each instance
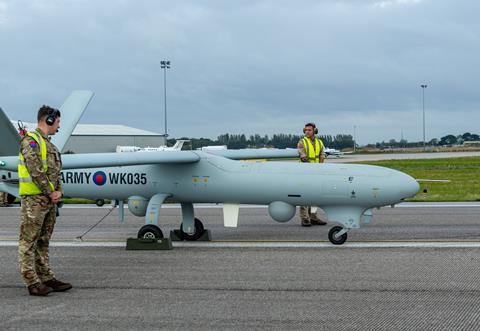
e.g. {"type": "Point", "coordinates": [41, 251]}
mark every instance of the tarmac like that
{"type": "Point", "coordinates": [415, 266]}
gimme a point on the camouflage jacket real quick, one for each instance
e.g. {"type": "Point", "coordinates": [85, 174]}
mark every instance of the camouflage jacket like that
{"type": "Point", "coordinates": [33, 161]}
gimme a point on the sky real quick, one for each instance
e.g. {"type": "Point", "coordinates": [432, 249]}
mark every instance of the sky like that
{"type": "Point", "coordinates": [249, 66]}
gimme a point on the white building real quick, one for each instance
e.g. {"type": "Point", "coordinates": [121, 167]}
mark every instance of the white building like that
{"type": "Point", "coordinates": [104, 138]}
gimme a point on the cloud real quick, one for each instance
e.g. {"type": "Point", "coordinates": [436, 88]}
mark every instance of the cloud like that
{"type": "Point", "coordinates": [3, 12]}
{"type": "Point", "coordinates": [388, 3]}
{"type": "Point", "coordinates": [247, 66]}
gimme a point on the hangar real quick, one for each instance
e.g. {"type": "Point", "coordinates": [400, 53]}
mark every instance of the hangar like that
{"type": "Point", "coordinates": [104, 138]}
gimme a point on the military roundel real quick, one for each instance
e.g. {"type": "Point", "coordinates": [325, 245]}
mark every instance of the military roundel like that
{"type": "Point", "coordinates": [99, 178]}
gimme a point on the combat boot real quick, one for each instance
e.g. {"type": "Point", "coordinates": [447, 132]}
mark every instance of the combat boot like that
{"type": "Point", "coordinates": [316, 221]}
{"type": "Point", "coordinates": [39, 289]}
{"type": "Point", "coordinates": [306, 222]}
{"type": "Point", "coordinates": [57, 285]}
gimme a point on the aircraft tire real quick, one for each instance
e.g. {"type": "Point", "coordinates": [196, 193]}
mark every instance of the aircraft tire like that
{"type": "Point", "coordinates": [150, 231]}
{"type": "Point", "coordinates": [99, 202]}
{"type": "Point", "coordinates": [199, 229]}
{"type": "Point", "coordinates": [334, 240]}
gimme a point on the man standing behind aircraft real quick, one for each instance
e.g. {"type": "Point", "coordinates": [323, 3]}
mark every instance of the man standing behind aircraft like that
{"type": "Point", "coordinates": [40, 190]}
{"type": "Point", "coordinates": [3, 199]}
{"type": "Point", "coordinates": [311, 150]}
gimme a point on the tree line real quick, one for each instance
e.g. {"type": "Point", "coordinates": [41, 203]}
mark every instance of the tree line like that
{"type": "Point", "coordinates": [447, 140]}
{"type": "Point", "coordinates": [280, 140]}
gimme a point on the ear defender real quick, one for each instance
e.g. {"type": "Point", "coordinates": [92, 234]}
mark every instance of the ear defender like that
{"type": "Point", "coordinates": [315, 130]}
{"type": "Point", "coordinates": [51, 117]}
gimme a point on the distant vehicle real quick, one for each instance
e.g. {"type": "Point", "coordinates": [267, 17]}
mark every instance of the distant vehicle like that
{"type": "Point", "coordinates": [332, 152]}
{"type": "Point", "coordinates": [212, 148]}
{"type": "Point", "coordinates": [129, 149]}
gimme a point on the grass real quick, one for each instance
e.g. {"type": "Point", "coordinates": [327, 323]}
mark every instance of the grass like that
{"type": "Point", "coordinates": [463, 173]}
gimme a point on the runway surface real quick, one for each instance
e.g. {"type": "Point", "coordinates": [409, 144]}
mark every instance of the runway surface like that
{"type": "Point", "coordinates": [414, 267]}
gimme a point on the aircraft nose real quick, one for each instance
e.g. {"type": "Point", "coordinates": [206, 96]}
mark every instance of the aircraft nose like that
{"type": "Point", "coordinates": [409, 186]}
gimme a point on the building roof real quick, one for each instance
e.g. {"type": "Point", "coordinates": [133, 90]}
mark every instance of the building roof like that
{"type": "Point", "coordinates": [101, 130]}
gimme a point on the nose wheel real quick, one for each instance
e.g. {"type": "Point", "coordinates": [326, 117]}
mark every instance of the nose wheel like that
{"type": "Point", "coordinates": [199, 230]}
{"type": "Point", "coordinates": [150, 231]}
{"type": "Point", "coordinates": [337, 235]}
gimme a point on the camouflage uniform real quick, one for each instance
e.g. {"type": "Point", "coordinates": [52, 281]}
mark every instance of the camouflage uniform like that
{"type": "Point", "coordinates": [3, 199]}
{"type": "Point", "coordinates": [306, 211]}
{"type": "Point", "coordinates": [38, 212]}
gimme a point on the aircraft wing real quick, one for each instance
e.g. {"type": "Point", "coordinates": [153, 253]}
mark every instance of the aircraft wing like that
{"type": "Point", "coordinates": [8, 135]}
{"type": "Point", "coordinates": [263, 153]}
{"type": "Point", "coordinates": [97, 160]}
{"type": "Point", "coordinates": [71, 110]}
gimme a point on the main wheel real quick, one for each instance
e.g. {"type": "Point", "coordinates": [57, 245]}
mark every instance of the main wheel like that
{"type": "Point", "coordinates": [150, 231]}
{"type": "Point", "coordinates": [198, 231]}
{"type": "Point", "coordinates": [100, 202]}
{"type": "Point", "coordinates": [332, 235]}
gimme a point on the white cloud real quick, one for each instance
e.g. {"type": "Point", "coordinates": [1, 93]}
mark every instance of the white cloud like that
{"type": "Point", "coordinates": [387, 3]}
{"type": "Point", "coordinates": [3, 12]}
{"type": "Point", "coordinates": [263, 66]}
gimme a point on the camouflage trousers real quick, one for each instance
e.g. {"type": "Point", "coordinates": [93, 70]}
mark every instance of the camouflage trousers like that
{"type": "Point", "coordinates": [37, 222]}
{"type": "Point", "coordinates": [306, 213]}
{"type": "Point", "coordinates": [3, 199]}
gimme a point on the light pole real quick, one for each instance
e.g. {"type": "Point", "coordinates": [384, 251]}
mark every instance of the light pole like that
{"type": "Point", "coordinates": [423, 86]}
{"type": "Point", "coordinates": [165, 65]}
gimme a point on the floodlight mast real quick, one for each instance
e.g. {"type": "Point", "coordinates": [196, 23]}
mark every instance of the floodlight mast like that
{"type": "Point", "coordinates": [164, 64]}
{"type": "Point", "coordinates": [423, 86]}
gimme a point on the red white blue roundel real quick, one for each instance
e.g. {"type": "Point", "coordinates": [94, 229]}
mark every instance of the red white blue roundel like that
{"type": "Point", "coordinates": [99, 178]}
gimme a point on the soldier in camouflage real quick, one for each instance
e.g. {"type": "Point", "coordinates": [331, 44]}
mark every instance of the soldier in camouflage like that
{"type": "Point", "coordinates": [310, 150]}
{"type": "Point", "coordinates": [40, 190]}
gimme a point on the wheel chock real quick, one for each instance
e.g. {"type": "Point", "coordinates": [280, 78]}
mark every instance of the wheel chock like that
{"type": "Point", "coordinates": [149, 244]}
{"type": "Point", "coordinates": [176, 235]}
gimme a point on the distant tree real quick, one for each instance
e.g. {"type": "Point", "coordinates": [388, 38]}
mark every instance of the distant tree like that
{"type": "Point", "coordinates": [448, 140]}
{"type": "Point", "coordinates": [467, 136]}
{"type": "Point", "coordinates": [459, 139]}
{"type": "Point", "coordinates": [433, 142]}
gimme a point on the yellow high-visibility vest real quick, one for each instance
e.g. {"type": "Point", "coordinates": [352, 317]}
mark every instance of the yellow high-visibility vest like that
{"type": "Point", "coordinates": [26, 184]}
{"type": "Point", "coordinates": [313, 152]}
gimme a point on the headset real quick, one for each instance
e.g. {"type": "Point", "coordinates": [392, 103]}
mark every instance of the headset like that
{"type": "Point", "coordinates": [315, 130]}
{"type": "Point", "coordinates": [52, 116]}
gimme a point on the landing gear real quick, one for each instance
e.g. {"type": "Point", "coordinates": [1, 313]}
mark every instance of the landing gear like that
{"type": "Point", "coordinates": [337, 235]}
{"type": "Point", "coordinates": [199, 230]}
{"type": "Point", "coordinates": [99, 202]}
{"type": "Point", "coordinates": [150, 231]}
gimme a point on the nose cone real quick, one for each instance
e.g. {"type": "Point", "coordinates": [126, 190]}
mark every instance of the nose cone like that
{"type": "Point", "coordinates": [408, 186]}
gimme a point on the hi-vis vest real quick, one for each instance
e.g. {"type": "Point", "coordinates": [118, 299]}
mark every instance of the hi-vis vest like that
{"type": "Point", "coordinates": [313, 152]}
{"type": "Point", "coordinates": [26, 184]}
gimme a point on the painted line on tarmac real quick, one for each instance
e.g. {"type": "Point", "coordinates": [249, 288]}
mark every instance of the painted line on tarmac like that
{"type": "Point", "coordinates": [261, 244]}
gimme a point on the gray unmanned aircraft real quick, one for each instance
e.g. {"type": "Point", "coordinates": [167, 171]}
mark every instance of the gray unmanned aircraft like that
{"type": "Point", "coordinates": [346, 192]}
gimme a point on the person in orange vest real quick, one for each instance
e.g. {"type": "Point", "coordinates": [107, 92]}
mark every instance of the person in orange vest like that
{"type": "Point", "coordinates": [310, 150]}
